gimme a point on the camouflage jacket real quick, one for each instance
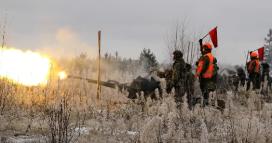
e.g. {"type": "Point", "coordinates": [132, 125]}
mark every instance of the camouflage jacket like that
{"type": "Point", "coordinates": [178, 70]}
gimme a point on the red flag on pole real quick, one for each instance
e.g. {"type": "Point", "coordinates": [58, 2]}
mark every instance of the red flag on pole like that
{"type": "Point", "coordinates": [261, 53]}
{"type": "Point", "coordinates": [213, 35]}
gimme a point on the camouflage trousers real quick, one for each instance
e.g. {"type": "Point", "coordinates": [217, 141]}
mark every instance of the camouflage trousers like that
{"type": "Point", "coordinates": [207, 86]}
{"type": "Point", "coordinates": [179, 93]}
{"type": "Point", "coordinates": [255, 79]}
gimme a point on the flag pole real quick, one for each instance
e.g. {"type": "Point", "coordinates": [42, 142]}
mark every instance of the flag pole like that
{"type": "Point", "coordinates": [205, 36]}
{"type": "Point", "coordinates": [246, 60]}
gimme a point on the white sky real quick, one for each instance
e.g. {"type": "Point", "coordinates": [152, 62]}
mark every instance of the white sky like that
{"type": "Point", "coordinates": [68, 27]}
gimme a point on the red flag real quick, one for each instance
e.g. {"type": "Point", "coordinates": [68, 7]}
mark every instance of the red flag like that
{"type": "Point", "coordinates": [213, 35]}
{"type": "Point", "coordinates": [261, 53]}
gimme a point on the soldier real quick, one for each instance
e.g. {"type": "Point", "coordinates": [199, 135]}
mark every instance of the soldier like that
{"type": "Point", "coordinates": [189, 85]}
{"type": "Point", "coordinates": [242, 75]}
{"type": "Point", "coordinates": [253, 69]}
{"type": "Point", "coordinates": [177, 81]}
{"type": "Point", "coordinates": [265, 71]}
{"type": "Point", "coordinates": [265, 78]}
{"type": "Point", "coordinates": [269, 83]}
{"type": "Point", "coordinates": [206, 72]}
{"type": "Point", "coordinates": [222, 85]}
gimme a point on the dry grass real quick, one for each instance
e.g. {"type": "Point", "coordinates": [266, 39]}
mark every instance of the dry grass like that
{"type": "Point", "coordinates": [67, 111]}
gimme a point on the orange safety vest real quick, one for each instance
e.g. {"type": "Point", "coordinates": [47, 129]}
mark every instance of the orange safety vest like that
{"type": "Point", "coordinates": [251, 68]}
{"type": "Point", "coordinates": [210, 70]}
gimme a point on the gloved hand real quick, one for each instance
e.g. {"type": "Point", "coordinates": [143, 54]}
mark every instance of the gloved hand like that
{"type": "Point", "coordinates": [200, 42]}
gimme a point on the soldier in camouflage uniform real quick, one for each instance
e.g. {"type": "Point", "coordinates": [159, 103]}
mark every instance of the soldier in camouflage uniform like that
{"type": "Point", "coordinates": [178, 74]}
{"type": "Point", "coordinates": [242, 75]}
{"type": "Point", "coordinates": [265, 78]}
{"type": "Point", "coordinates": [265, 71]}
{"type": "Point", "coordinates": [189, 85]}
{"type": "Point", "coordinates": [234, 80]}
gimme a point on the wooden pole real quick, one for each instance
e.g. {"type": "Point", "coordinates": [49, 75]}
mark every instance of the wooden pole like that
{"type": "Point", "coordinates": [98, 90]}
{"type": "Point", "coordinates": [4, 32]}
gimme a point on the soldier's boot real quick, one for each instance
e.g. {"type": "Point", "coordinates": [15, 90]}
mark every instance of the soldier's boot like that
{"type": "Point", "coordinates": [205, 102]}
{"type": "Point", "coordinates": [178, 101]}
{"type": "Point", "coordinates": [248, 85]}
{"type": "Point", "coordinates": [212, 102]}
{"type": "Point", "coordinates": [205, 99]}
{"type": "Point", "coordinates": [190, 103]}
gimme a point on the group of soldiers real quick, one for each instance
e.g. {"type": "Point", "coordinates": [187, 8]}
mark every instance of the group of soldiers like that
{"type": "Point", "coordinates": [181, 77]}
{"type": "Point", "coordinates": [258, 73]}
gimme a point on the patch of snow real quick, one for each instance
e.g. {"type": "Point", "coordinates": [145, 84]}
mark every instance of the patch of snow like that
{"type": "Point", "coordinates": [82, 130]}
{"type": "Point", "coordinates": [132, 133]}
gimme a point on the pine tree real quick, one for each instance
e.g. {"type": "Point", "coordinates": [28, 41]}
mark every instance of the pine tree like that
{"type": "Point", "coordinates": [148, 60]}
{"type": "Point", "coordinates": [268, 39]}
{"type": "Point", "coordinates": [268, 47]}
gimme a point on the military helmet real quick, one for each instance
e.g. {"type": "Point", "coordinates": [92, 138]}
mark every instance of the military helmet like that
{"type": "Point", "coordinates": [178, 54]}
{"type": "Point", "coordinates": [254, 54]}
{"type": "Point", "coordinates": [207, 46]}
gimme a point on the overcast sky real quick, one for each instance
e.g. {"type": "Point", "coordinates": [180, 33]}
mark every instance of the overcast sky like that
{"type": "Point", "coordinates": [67, 27]}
